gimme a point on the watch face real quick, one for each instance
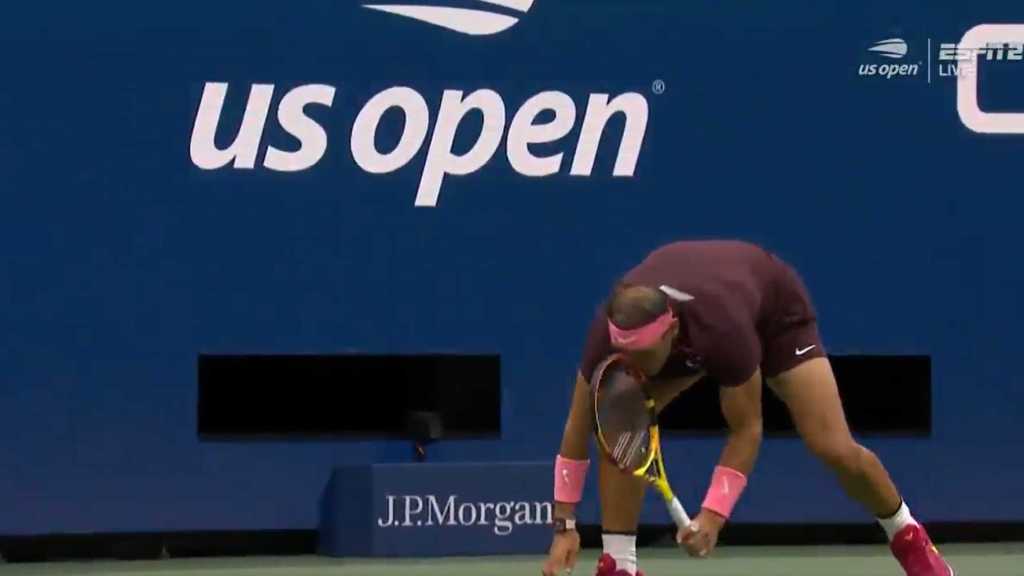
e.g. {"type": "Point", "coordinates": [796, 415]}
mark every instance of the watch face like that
{"type": "Point", "coordinates": [564, 525]}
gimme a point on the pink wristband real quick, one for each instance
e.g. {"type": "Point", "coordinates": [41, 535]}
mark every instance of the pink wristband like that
{"type": "Point", "coordinates": [570, 476]}
{"type": "Point", "coordinates": [726, 486]}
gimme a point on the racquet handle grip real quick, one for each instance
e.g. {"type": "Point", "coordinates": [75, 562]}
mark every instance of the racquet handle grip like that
{"type": "Point", "coordinates": [679, 515]}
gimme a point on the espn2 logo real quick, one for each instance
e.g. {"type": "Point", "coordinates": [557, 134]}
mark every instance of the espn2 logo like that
{"type": "Point", "coordinates": [975, 42]}
{"type": "Point", "coordinates": [472, 21]}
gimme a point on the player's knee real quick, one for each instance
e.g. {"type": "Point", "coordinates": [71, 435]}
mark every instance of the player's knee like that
{"type": "Point", "coordinates": [841, 455]}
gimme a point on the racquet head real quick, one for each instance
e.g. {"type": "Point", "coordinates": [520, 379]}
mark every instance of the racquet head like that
{"type": "Point", "coordinates": [625, 421]}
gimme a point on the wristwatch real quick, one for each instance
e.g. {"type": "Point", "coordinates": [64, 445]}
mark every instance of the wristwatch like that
{"type": "Point", "coordinates": [564, 525]}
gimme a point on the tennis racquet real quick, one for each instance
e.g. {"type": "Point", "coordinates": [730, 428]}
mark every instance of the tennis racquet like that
{"type": "Point", "coordinates": [626, 426]}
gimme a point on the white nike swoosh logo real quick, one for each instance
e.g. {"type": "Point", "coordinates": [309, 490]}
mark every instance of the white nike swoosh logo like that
{"type": "Point", "coordinates": [565, 476]}
{"type": "Point", "coordinates": [802, 351]}
{"type": "Point", "coordinates": [725, 487]}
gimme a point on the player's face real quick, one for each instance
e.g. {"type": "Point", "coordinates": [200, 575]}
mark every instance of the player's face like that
{"type": "Point", "coordinates": [652, 359]}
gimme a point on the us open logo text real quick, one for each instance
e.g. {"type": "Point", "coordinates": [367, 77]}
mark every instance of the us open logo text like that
{"type": "Point", "coordinates": [544, 118]}
{"type": "Point", "coordinates": [890, 52]}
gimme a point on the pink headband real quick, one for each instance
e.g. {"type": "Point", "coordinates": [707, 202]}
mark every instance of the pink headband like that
{"type": "Point", "coordinates": [642, 337]}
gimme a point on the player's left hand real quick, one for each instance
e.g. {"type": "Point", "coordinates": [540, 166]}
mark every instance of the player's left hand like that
{"type": "Point", "coordinates": [701, 542]}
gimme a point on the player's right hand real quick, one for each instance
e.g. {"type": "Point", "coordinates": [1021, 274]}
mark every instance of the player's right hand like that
{"type": "Point", "coordinates": [562, 557]}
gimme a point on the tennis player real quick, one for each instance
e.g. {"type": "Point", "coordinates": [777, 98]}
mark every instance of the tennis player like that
{"type": "Point", "coordinates": [736, 312]}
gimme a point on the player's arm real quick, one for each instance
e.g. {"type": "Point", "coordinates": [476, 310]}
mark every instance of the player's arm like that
{"type": "Point", "coordinates": [575, 447]}
{"type": "Point", "coordinates": [741, 407]}
{"type": "Point", "coordinates": [570, 474]}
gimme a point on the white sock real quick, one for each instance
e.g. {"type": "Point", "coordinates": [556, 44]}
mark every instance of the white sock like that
{"type": "Point", "coordinates": [622, 548]}
{"type": "Point", "coordinates": [900, 520]}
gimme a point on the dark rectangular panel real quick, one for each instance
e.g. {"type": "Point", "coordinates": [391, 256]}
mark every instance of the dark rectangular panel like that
{"type": "Point", "coordinates": [347, 395]}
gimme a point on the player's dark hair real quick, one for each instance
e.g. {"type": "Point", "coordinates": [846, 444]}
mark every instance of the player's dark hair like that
{"type": "Point", "coordinates": [633, 305]}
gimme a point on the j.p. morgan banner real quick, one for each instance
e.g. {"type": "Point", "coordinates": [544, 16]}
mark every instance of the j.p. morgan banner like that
{"type": "Point", "coordinates": [437, 509]}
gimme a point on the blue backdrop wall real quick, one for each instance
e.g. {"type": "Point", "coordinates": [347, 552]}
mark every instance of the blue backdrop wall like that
{"type": "Point", "coordinates": [123, 256]}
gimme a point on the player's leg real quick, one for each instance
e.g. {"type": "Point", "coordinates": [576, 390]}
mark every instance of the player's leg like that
{"type": "Point", "coordinates": [622, 497]}
{"type": "Point", "coordinates": [812, 396]}
{"type": "Point", "coordinates": [811, 393]}
{"type": "Point", "coordinates": [799, 372]}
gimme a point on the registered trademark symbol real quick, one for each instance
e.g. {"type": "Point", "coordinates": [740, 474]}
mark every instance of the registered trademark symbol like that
{"type": "Point", "coordinates": [658, 87]}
